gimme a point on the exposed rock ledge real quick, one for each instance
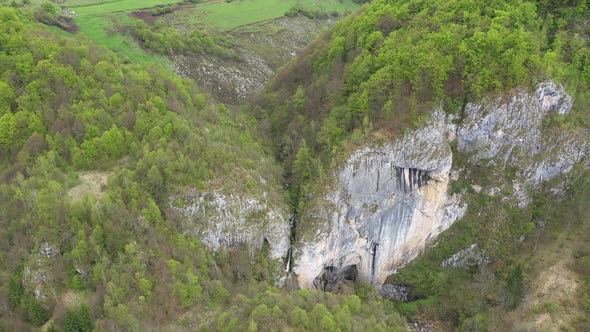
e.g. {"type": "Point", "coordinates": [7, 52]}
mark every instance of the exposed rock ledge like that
{"type": "Point", "coordinates": [225, 220]}
{"type": "Point", "coordinates": [390, 202]}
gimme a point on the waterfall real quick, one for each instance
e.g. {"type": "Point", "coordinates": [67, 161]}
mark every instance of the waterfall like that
{"type": "Point", "coordinates": [291, 240]}
{"type": "Point", "coordinates": [289, 255]}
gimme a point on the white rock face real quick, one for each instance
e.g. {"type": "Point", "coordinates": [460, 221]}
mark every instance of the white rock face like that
{"type": "Point", "coordinates": [469, 256]}
{"type": "Point", "coordinates": [38, 270]}
{"type": "Point", "coordinates": [510, 134]}
{"type": "Point", "coordinates": [225, 220]}
{"type": "Point", "coordinates": [390, 202]}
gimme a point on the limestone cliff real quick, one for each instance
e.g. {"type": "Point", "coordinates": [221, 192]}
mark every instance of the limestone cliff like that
{"type": "Point", "coordinates": [389, 202]}
{"type": "Point", "coordinates": [224, 220]}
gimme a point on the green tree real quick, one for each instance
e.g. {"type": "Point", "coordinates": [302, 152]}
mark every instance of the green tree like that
{"type": "Point", "coordinates": [514, 288]}
{"type": "Point", "coordinates": [7, 130]}
{"type": "Point", "coordinates": [303, 162]}
{"type": "Point", "coordinates": [7, 98]}
{"type": "Point", "coordinates": [78, 319]}
{"type": "Point", "coordinates": [36, 313]}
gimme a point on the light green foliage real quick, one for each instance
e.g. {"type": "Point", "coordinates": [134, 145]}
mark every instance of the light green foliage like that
{"type": "Point", "coordinates": [7, 130]}
{"type": "Point", "coordinates": [481, 296]}
{"type": "Point", "coordinates": [6, 98]}
{"type": "Point", "coordinates": [168, 40]}
{"type": "Point", "coordinates": [309, 311]}
{"type": "Point", "coordinates": [100, 30]}
{"type": "Point", "coordinates": [105, 21]}
{"type": "Point", "coordinates": [78, 106]}
{"type": "Point", "coordinates": [84, 10]}
{"type": "Point", "coordinates": [69, 105]}
{"type": "Point", "coordinates": [379, 71]}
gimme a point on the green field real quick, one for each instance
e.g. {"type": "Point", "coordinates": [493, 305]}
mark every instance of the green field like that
{"type": "Point", "coordinates": [105, 8]}
{"type": "Point", "coordinates": [229, 15]}
{"type": "Point", "coordinates": [99, 20]}
{"type": "Point", "coordinates": [102, 31]}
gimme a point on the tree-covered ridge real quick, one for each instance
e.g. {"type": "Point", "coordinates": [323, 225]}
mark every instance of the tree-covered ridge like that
{"type": "Point", "coordinates": [380, 69]}
{"type": "Point", "coordinates": [116, 259]}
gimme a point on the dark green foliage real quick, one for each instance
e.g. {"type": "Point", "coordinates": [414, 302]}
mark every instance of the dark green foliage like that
{"type": "Point", "coordinates": [514, 288]}
{"type": "Point", "coordinates": [36, 313]}
{"type": "Point", "coordinates": [78, 319]}
{"type": "Point", "coordinates": [15, 291]}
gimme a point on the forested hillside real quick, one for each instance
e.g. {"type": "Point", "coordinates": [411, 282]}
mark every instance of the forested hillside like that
{"type": "Point", "coordinates": [91, 149]}
{"type": "Point", "coordinates": [379, 70]}
{"type": "Point", "coordinates": [379, 74]}
{"type": "Point", "coordinates": [102, 159]}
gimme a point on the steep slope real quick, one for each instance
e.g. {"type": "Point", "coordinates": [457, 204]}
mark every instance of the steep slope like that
{"type": "Point", "coordinates": [391, 201]}
{"type": "Point", "coordinates": [413, 117]}
{"type": "Point", "coordinates": [130, 202]}
{"type": "Point", "coordinates": [262, 48]}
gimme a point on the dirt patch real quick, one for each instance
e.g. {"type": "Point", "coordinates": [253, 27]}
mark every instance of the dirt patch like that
{"type": "Point", "coordinates": [71, 299]}
{"type": "Point", "coordinates": [558, 281]}
{"type": "Point", "coordinates": [90, 183]}
{"type": "Point", "coordinates": [145, 16]}
{"type": "Point", "coordinates": [65, 23]}
{"type": "Point", "coordinates": [550, 302]}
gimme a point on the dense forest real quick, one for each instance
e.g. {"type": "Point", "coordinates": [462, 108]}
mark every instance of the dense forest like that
{"type": "Point", "coordinates": [380, 72]}
{"type": "Point", "coordinates": [114, 256]}
{"type": "Point", "coordinates": [116, 260]}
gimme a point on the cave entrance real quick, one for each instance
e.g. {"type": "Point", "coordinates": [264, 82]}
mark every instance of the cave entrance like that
{"type": "Point", "coordinates": [333, 279]}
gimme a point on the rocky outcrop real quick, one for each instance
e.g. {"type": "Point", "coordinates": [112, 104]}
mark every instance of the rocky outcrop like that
{"type": "Point", "coordinates": [262, 48]}
{"type": "Point", "coordinates": [38, 271]}
{"type": "Point", "coordinates": [400, 293]}
{"type": "Point", "coordinates": [470, 256]}
{"type": "Point", "coordinates": [389, 202]}
{"type": "Point", "coordinates": [225, 220]}
{"type": "Point", "coordinates": [500, 133]}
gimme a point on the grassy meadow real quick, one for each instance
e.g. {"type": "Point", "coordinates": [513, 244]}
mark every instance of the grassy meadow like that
{"type": "Point", "coordinates": [229, 15]}
{"type": "Point", "coordinates": [101, 21]}
{"type": "Point", "coordinates": [85, 9]}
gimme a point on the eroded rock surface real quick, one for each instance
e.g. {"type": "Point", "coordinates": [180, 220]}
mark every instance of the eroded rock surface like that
{"type": "Point", "coordinates": [470, 256]}
{"type": "Point", "coordinates": [225, 220]}
{"type": "Point", "coordinates": [390, 202]}
{"type": "Point", "coordinates": [263, 48]}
